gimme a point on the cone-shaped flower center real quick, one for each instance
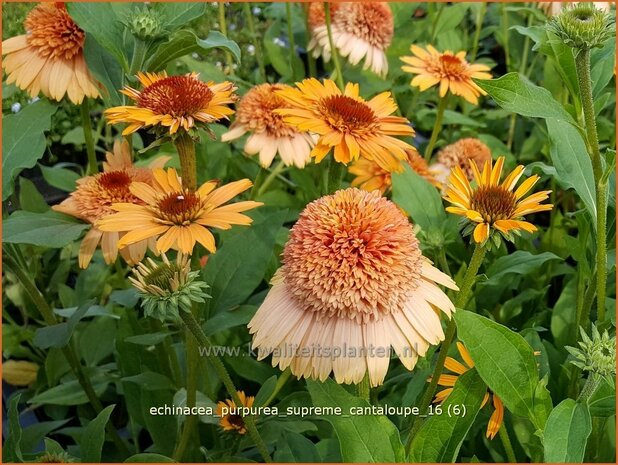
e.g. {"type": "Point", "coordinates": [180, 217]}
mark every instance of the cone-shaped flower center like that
{"type": "Point", "coordinates": [114, 180]}
{"type": "Point", "coordinates": [493, 203]}
{"type": "Point", "coordinates": [180, 208]}
{"type": "Point", "coordinates": [176, 96]}
{"type": "Point", "coordinates": [347, 114]}
{"type": "Point", "coordinates": [52, 31]}
{"type": "Point", "coordinates": [162, 275]}
{"type": "Point", "coordinates": [451, 66]}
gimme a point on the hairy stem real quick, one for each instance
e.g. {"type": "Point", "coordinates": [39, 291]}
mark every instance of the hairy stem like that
{"type": "Point", "coordinates": [93, 167]}
{"type": "Point", "coordinates": [188, 163]}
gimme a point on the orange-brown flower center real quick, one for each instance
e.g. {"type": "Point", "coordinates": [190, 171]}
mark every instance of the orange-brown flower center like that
{"type": "Point", "coordinates": [114, 180]}
{"type": "Point", "coordinates": [176, 96]}
{"type": "Point", "coordinates": [493, 203]}
{"type": "Point", "coordinates": [346, 114]}
{"type": "Point", "coordinates": [179, 208]}
{"type": "Point", "coordinates": [451, 67]}
{"type": "Point", "coordinates": [255, 111]}
{"type": "Point", "coordinates": [352, 254]}
{"type": "Point", "coordinates": [53, 33]}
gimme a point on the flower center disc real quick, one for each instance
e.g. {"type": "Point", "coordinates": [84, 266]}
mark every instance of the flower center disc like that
{"type": "Point", "coordinates": [346, 114]}
{"type": "Point", "coordinates": [451, 66]}
{"type": "Point", "coordinates": [176, 96]}
{"type": "Point", "coordinates": [256, 111]}
{"type": "Point", "coordinates": [180, 208]}
{"type": "Point", "coordinates": [53, 33]}
{"type": "Point", "coordinates": [114, 180]}
{"type": "Point", "coordinates": [493, 203]}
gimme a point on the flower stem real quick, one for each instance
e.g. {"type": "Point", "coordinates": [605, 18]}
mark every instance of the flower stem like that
{"type": "Point", "coordinates": [139, 53]}
{"type": "Point", "coordinates": [68, 351]}
{"type": "Point", "coordinates": [292, 42]}
{"type": "Point", "coordinates": [223, 27]}
{"type": "Point", "coordinates": [283, 378]}
{"type": "Point", "coordinates": [582, 64]}
{"type": "Point", "coordinates": [436, 128]}
{"type": "Point", "coordinates": [93, 167]}
{"type": "Point", "coordinates": [506, 443]}
{"type": "Point", "coordinates": [460, 302]}
{"type": "Point", "coordinates": [188, 164]}
{"type": "Point", "coordinates": [259, 56]}
{"type": "Point", "coordinates": [310, 58]}
{"type": "Point", "coordinates": [363, 389]}
{"type": "Point", "coordinates": [276, 171]}
{"type": "Point", "coordinates": [478, 28]}
{"type": "Point", "coordinates": [195, 329]}
{"type": "Point", "coordinates": [333, 50]}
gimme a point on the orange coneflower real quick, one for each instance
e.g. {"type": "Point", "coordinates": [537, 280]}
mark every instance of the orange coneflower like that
{"type": "Point", "coordinates": [49, 58]}
{"type": "Point", "coordinates": [230, 418]}
{"type": "Point", "coordinates": [460, 154]}
{"type": "Point", "coordinates": [93, 199]}
{"type": "Point", "coordinates": [450, 70]}
{"type": "Point", "coordinates": [489, 206]}
{"type": "Point", "coordinates": [170, 103]}
{"type": "Point", "coordinates": [177, 216]}
{"type": "Point", "coordinates": [360, 30]}
{"type": "Point", "coordinates": [495, 421]}
{"type": "Point", "coordinates": [370, 176]}
{"type": "Point", "coordinates": [353, 283]}
{"type": "Point", "coordinates": [269, 133]}
{"type": "Point", "coordinates": [347, 123]}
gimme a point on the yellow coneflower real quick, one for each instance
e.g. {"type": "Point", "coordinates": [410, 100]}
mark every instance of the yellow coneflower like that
{"type": "Point", "coordinates": [371, 176]}
{"type": "Point", "coordinates": [49, 58]}
{"type": "Point", "coordinates": [492, 206]}
{"type": "Point", "coordinates": [450, 70]}
{"type": "Point", "coordinates": [353, 284]}
{"type": "Point", "coordinates": [93, 199]}
{"type": "Point", "coordinates": [348, 124]}
{"type": "Point", "coordinates": [170, 103]}
{"type": "Point", "coordinates": [177, 216]}
{"type": "Point", "coordinates": [359, 29]}
{"type": "Point", "coordinates": [269, 133]}
{"type": "Point", "coordinates": [230, 418]}
{"type": "Point", "coordinates": [460, 154]}
{"type": "Point", "coordinates": [495, 421]}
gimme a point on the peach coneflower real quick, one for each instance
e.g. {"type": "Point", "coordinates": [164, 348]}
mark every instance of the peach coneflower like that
{"type": "Point", "coordinates": [177, 216]}
{"type": "Point", "coordinates": [495, 421]}
{"type": "Point", "coordinates": [169, 103]}
{"type": "Point", "coordinates": [460, 154]}
{"type": "Point", "coordinates": [49, 58]}
{"type": "Point", "coordinates": [230, 418]}
{"type": "Point", "coordinates": [347, 123]}
{"type": "Point", "coordinates": [450, 70]}
{"type": "Point", "coordinates": [490, 206]}
{"type": "Point", "coordinates": [93, 200]}
{"type": "Point", "coordinates": [269, 133]}
{"type": "Point", "coordinates": [353, 283]}
{"type": "Point", "coordinates": [360, 30]}
{"type": "Point", "coordinates": [554, 8]}
{"type": "Point", "coordinates": [370, 176]}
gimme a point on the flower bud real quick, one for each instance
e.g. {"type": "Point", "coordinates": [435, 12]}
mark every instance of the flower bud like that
{"type": "Point", "coordinates": [146, 25]}
{"type": "Point", "coordinates": [596, 354]}
{"type": "Point", "coordinates": [583, 26]}
{"type": "Point", "coordinates": [19, 372]}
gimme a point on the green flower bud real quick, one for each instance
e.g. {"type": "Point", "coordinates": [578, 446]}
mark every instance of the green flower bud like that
{"type": "Point", "coordinates": [583, 26]}
{"type": "Point", "coordinates": [169, 287]}
{"type": "Point", "coordinates": [146, 25]}
{"type": "Point", "coordinates": [54, 457]}
{"type": "Point", "coordinates": [596, 354]}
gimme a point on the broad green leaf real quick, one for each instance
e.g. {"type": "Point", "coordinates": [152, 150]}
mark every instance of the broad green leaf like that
{"type": "Point", "coordinates": [504, 360]}
{"type": "Point", "coordinates": [296, 448]}
{"type": "Point", "coordinates": [60, 178]}
{"type": "Point", "coordinates": [238, 266]}
{"type": "Point", "coordinates": [450, 18]}
{"type": "Point", "coordinates": [440, 437]}
{"type": "Point", "coordinates": [603, 63]}
{"type": "Point", "coordinates": [566, 432]}
{"type": "Point", "coordinates": [149, 458]}
{"type": "Point", "coordinates": [30, 199]}
{"type": "Point", "coordinates": [151, 381]}
{"type": "Point", "coordinates": [178, 14]}
{"type": "Point", "coordinates": [147, 339]}
{"type": "Point", "coordinates": [71, 392]}
{"type": "Point", "coordinates": [572, 162]}
{"type": "Point", "coordinates": [519, 262]}
{"type": "Point", "coordinates": [91, 442]}
{"type": "Point", "coordinates": [32, 435]}
{"type": "Point", "coordinates": [23, 140]}
{"type": "Point", "coordinates": [420, 200]}
{"type": "Point", "coordinates": [106, 69]}
{"type": "Point", "coordinates": [563, 325]}
{"type": "Point", "coordinates": [60, 334]}
{"type": "Point", "coordinates": [217, 40]}
{"type": "Point", "coordinates": [362, 438]}
{"type": "Point", "coordinates": [225, 320]}
{"type": "Point", "coordinates": [11, 450]}
{"type": "Point", "coordinates": [603, 402]}
{"type": "Point", "coordinates": [49, 229]}
{"type": "Point", "coordinates": [515, 93]}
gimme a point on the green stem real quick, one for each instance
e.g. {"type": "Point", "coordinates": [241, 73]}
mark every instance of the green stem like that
{"type": "Point", "coordinates": [283, 378]}
{"type": "Point", "coordinates": [582, 63]}
{"type": "Point", "coordinates": [506, 443]}
{"type": "Point", "coordinates": [276, 171]}
{"type": "Point", "coordinates": [477, 31]}
{"type": "Point", "coordinates": [93, 167]}
{"type": "Point", "coordinates": [257, 43]}
{"type": "Point", "coordinates": [139, 54]}
{"type": "Point", "coordinates": [460, 302]}
{"type": "Point", "coordinates": [310, 59]}
{"type": "Point", "coordinates": [591, 385]}
{"type": "Point", "coordinates": [68, 351]}
{"type": "Point", "coordinates": [292, 42]}
{"type": "Point", "coordinates": [333, 50]}
{"type": "Point", "coordinates": [170, 354]}
{"type": "Point", "coordinates": [188, 164]}
{"type": "Point", "coordinates": [505, 36]}
{"type": "Point", "coordinates": [223, 27]}
{"type": "Point", "coordinates": [363, 389]}
{"type": "Point", "coordinates": [443, 261]}
{"type": "Point", "coordinates": [195, 329]}
{"type": "Point", "coordinates": [436, 19]}
{"type": "Point", "coordinates": [436, 128]}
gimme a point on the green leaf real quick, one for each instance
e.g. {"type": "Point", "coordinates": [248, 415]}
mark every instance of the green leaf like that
{"type": "Point", "coordinates": [225, 320]}
{"type": "Point", "coordinates": [60, 178]}
{"type": "Point", "coordinates": [151, 381]}
{"type": "Point", "coordinates": [420, 200]}
{"type": "Point", "coordinates": [572, 162]}
{"type": "Point", "coordinates": [178, 14]}
{"type": "Point", "coordinates": [179, 44]}
{"type": "Point", "coordinates": [106, 69]}
{"type": "Point", "coordinates": [147, 339]}
{"type": "Point", "coordinates": [602, 402]}
{"type": "Point", "coordinates": [71, 392]}
{"type": "Point", "coordinates": [566, 432]}
{"type": "Point", "coordinates": [11, 451]}
{"type": "Point", "coordinates": [91, 442]}
{"type": "Point", "coordinates": [30, 199]}
{"type": "Point", "coordinates": [238, 267]}
{"type": "Point", "coordinates": [504, 360]}
{"type": "Point", "coordinates": [516, 93]}
{"type": "Point", "coordinates": [149, 458]}
{"type": "Point", "coordinates": [296, 448]}
{"type": "Point", "coordinates": [23, 140]}
{"type": "Point", "coordinates": [217, 40]}
{"type": "Point", "coordinates": [362, 438]}
{"type": "Point", "coordinates": [519, 262]}
{"type": "Point", "coordinates": [60, 334]}
{"type": "Point", "coordinates": [49, 229]}
{"type": "Point", "coordinates": [440, 437]}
